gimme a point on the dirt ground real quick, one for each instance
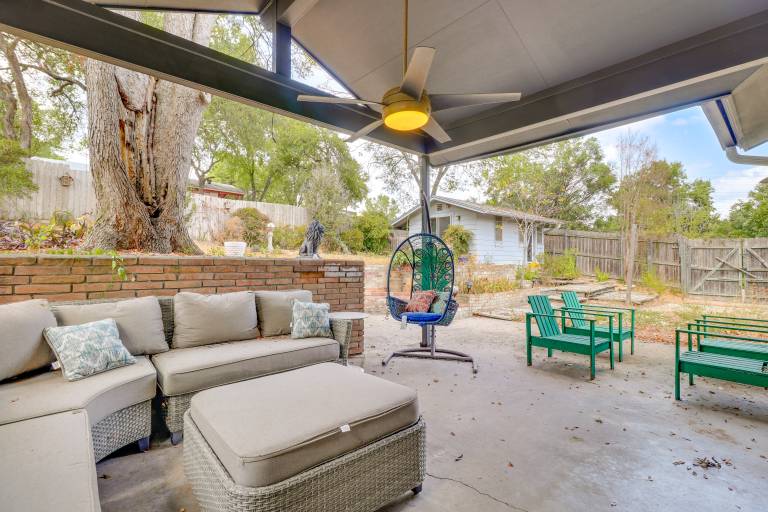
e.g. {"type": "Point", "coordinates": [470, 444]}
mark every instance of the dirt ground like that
{"type": "Point", "coordinates": [540, 438]}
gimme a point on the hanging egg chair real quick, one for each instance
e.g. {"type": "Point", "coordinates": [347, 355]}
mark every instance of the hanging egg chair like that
{"type": "Point", "coordinates": [423, 262]}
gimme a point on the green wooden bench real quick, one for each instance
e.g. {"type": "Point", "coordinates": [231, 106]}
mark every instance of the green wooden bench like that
{"type": "Point", "coordinates": [552, 337]}
{"type": "Point", "coordinates": [744, 370]}
{"type": "Point", "coordinates": [576, 310]}
{"type": "Point", "coordinates": [711, 340]}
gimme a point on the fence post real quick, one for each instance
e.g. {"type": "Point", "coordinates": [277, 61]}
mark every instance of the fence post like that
{"type": "Point", "coordinates": [649, 255]}
{"type": "Point", "coordinates": [682, 254]}
{"type": "Point", "coordinates": [565, 240]}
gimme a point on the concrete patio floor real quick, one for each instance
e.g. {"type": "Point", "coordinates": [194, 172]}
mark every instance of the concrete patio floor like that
{"type": "Point", "coordinates": [535, 439]}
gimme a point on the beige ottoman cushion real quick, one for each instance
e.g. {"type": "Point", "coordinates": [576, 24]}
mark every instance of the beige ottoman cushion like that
{"type": "Point", "coordinates": [268, 429]}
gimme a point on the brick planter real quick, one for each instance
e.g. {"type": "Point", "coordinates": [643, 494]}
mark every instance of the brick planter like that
{"type": "Point", "coordinates": [58, 278]}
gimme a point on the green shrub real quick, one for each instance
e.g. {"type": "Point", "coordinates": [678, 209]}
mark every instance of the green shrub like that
{"type": "Point", "coordinates": [354, 239]}
{"type": "Point", "coordinates": [254, 225]}
{"type": "Point", "coordinates": [561, 266]}
{"type": "Point", "coordinates": [653, 282]}
{"type": "Point", "coordinates": [601, 276]}
{"type": "Point", "coordinates": [288, 238]}
{"type": "Point", "coordinates": [374, 226]}
{"type": "Point", "coordinates": [458, 239]}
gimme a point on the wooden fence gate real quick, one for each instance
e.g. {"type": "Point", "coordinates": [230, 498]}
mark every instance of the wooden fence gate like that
{"type": "Point", "coordinates": [726, 268]}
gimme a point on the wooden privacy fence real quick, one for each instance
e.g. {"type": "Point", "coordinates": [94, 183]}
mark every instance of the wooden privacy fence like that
{"type": "Point", "coordinates": [210, 214]}
{"type": "Point", "coordinates": [61, 186]}
{"type": "Point", "coordinates": [718, 267]}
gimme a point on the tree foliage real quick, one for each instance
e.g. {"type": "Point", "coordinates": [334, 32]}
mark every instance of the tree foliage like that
{"type": "Point", "coordinates": [373, 224]}
{"type": "Point", "coordinates": [567, 180]}
{"type": "Point", "coordinates": [15, 180]}
{"type": "Point", "coordinates": [749, 218]}
{"type": "Point", "coordinates": [402, 179]}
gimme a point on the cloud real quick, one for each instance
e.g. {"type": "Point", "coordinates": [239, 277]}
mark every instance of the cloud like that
{"type": "Point", "coordinates": [735, 185]}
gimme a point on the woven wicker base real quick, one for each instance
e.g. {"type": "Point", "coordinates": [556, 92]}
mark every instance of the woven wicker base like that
{"type": "Point", "coordinates": [361, 481]}
{"type": "Point", "coordinates": [121, 428]}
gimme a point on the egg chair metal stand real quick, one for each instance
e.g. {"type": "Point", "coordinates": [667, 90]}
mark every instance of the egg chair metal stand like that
{"type": "Point", "coordinates": [427, 261]}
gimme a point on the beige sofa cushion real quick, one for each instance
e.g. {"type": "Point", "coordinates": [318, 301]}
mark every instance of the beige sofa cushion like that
{"type": "Point", "coordinates": [22, 346]}
{"type": "Point", "coordinates": [139, 321]}
{"type": "Point", "coordinates": [100, 395]}
{"type": "Point", "coordinates": [204, 319]}
{"type": "Point", "coordinates": [269, 429]}
{"type": "Point", "coordinates": [276, 308]}
{"type": "Point", "coordinates": [47, 464]}
{"type": "Point", "coordinates": [193, 369]}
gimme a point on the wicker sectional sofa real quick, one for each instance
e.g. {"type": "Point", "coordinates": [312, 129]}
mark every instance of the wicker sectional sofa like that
{"type": "Point", "coordinates": [53, 430]}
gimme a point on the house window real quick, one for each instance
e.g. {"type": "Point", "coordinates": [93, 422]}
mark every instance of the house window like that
{"type": "Point", "coordinates": [499, 225]}
{"type": "Point", "coordinates": [439, 225]}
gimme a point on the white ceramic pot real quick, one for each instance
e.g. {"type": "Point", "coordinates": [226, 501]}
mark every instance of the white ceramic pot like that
{"type": "Point", "coordinates": [235, 248]}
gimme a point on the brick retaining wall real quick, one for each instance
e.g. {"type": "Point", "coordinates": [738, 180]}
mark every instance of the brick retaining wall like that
{"type": "Point", "coordinates": [60, 278]}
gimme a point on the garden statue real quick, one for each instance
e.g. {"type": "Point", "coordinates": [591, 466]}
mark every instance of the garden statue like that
{"type": "Point", "coordinates": [270, 236]}
{"type": "Point", "coordinates": [312, 240]}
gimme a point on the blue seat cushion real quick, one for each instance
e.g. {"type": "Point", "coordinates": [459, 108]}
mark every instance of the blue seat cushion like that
{"type": "Point", "coordinates": [421, 318]}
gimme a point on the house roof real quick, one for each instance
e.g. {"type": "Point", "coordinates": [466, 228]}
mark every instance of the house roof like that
{"type": "Point", "coordinates": [218, 187]}
{"type": "Point", "coordinates": [483, 209]}
{"type": "Point", "coordinates": [580, 66]}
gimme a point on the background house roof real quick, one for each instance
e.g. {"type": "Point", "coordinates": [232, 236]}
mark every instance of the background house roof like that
{"type": "Point", "coordinates": [217, 187]}
{"type": "Point", "coordinates": [483, 209]}
{"type": "Point", "coordinates": [581, 66]}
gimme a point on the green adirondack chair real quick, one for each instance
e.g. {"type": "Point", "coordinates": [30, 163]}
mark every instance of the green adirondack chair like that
{"type": "Point", "coordinates": [739, 343]}
{"type": "Point", "coordinates": [745, 370]}
{"type": "Point", "coordinates": [552, 337]}
{"type": "Point", "coordinates": [621, 332]}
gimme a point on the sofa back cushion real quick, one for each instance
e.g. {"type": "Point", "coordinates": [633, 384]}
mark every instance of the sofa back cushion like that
{"type": "Point", "coordinates": [22, 346]}
{"type": "Point", "coordinates": [205, 319]}
{"type": "Point", "coordinates": [276, 309]}
{"type": "Point", "coordinates": [139, 321]}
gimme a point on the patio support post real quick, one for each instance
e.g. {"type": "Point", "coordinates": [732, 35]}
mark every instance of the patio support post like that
{"type": "Point", "coordinates": [425, 189]}
{"type": "Point", "coordinates": [281, 39]}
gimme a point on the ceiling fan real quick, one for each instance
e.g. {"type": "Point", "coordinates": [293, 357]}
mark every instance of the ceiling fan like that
{"type": "Point", "coordinates": [408, 106]}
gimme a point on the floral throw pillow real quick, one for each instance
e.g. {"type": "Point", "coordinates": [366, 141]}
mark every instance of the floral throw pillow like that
{"type": "Point", "coordinates": [310, 320]}
{"type": "Point", "coordinates": [87, 349]}
{"type": "Point", "coordinates": [441, 302]}
{"type": "Point", "coordinates": [420, 302]}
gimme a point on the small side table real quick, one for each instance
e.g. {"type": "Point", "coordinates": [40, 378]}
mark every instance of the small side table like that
{"type": "Point", "coordinates": [358, 331]}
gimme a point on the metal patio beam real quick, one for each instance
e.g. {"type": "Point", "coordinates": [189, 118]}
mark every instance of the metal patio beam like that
{"type": "Point", "coordinates": [101, 34]}
{"type": "Point", "coordinates": [734, 44]}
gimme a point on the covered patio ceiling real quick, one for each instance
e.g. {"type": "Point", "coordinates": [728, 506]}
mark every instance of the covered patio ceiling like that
{"type": "Point", "coordinates": [581, 66]}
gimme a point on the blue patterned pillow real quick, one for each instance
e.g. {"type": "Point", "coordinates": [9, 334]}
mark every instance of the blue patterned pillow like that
{"type": "Point", "coordinates": [87, 349]}
{"type": "Point", "coordinates": [310, 320]}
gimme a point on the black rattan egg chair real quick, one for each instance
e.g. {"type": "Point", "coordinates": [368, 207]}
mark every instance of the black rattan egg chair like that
{"type": "Point", "coordinates": [426, 261]}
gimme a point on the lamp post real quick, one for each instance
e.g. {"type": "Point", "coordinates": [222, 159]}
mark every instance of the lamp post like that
{"type": "Point", "coordinates": [270, 230]}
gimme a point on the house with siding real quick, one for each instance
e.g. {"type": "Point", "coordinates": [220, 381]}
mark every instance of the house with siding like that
{"type": "Point", "coordinates": [497, 234]}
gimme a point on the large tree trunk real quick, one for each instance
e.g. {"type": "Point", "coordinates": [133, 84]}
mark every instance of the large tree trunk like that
{"type": "Point", "coordinates": [141, 132]}
{"type": "Point", "coordinates": [25, 123]}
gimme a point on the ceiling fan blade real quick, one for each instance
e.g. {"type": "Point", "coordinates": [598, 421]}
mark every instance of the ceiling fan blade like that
{"type": "Point", "coordinates": [418, 70]}
{"type": "Point", "coordinates": [445, 101]}
{"type": "Point", "coordinates": [339, 101]}
{"type": "Point", "coordinates": [365, 130]}
{"type": "Point", "coordinates": [436, 131]}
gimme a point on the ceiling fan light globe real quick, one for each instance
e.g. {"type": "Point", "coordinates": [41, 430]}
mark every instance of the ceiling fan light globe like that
{"type": "Point", "coordinates": [404, 113]}
{"type": "Point", "coordinates": [406, 120]}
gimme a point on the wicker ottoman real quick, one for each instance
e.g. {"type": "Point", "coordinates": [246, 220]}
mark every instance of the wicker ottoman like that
{"type": "Point", "coordinates": [321, 438]}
